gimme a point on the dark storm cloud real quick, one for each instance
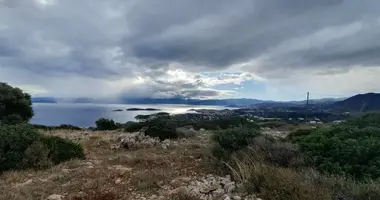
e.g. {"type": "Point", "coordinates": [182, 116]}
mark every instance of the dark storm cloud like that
{"type": "Point", "coordinates": [113, 39]}
{"type": "Point", "coordinates": [212, 33]}
{"type": "Point", "coordinates": [224, 35]}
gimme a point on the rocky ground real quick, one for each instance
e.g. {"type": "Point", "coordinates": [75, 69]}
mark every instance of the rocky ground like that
{"type": "Point", "coordinates": [126, 166]}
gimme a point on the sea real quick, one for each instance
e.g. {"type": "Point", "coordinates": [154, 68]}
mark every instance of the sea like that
{"type": "Point", "coordinates": [85, 114]}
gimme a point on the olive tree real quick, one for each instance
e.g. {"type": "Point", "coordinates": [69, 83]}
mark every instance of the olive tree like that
{"type": "Point", "coordinates": [15, 105]}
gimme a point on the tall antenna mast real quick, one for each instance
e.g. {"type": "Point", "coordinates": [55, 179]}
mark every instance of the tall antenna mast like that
{"type": "Point", "coordinates": [307, 105]}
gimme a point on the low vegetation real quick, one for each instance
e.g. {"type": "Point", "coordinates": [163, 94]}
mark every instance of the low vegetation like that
{"type": "Point", "coordinates": [337, 163]}
{"type": "Point", "coordinates": [60, 127]}
{"type": "Point", "coordinates": [350, 149]}
{"type": "Point", "coordinates": [162, 128]}
{"type": "Point", "coordinates": [231, 140]}
{"type": "Point", "coordinates": [22, 147]}
{"type": "Point", "coordinates": [160, 119]}
{"type": "Point", "coordinates": [105, 124]}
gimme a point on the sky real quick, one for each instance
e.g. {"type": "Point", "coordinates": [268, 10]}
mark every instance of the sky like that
{"type": "Point", "coordinates": [263, 49]}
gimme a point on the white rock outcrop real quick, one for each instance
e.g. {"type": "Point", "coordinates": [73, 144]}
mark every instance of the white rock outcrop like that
{"type": "Point", "coordinates": [137, 140]}
{"type": "Point", "coordinates": [211, 188]}
{"type": "Point", "coordinates": [55, 197]}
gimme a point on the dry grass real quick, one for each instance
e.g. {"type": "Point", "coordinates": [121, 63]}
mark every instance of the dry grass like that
{"type": "Point", "coordinates": [277, 183]}
{"type": "Point", "coordinates": [96, 195]}
{"type": "Point", "coordinates": [151, 180]}
{"type": "Point", "coordinates": [183, 196]}
{"type": "Point", "coordinates": [105, 174]}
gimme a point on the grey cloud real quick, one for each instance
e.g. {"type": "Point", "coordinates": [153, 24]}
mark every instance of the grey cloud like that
{"type": "Point", "coordinates": [232, 34]}
{"type": "Point", "coordinates": [162, 89]}
{"type": "Point", "coordinates": [114, 39]}
{"type": "Point", "coordinates": [199, 93]}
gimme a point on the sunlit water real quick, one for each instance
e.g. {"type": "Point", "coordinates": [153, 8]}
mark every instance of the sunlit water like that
{"type": "Point", "coordinates": [85, 115]}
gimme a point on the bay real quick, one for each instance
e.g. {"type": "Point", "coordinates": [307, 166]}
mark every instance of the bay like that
{"type": "Point", "coordinates": [85, 114]}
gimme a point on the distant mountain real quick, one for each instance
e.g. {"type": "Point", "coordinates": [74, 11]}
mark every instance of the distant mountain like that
{"type": "Point", "coordinates": [319, 101]}
{"type": "Point", "coordinates": [359, 103]}
{"type": "Point", "coordinates": [44, 100]}
{"type": "Point", "coordinates": [83, 100]}
{"type": "Point", "coordinates": [218, 102]}
{"type": "Point", "coordinates": [222, 102]}
{"type": "Point", "coordinates": [316, 102]}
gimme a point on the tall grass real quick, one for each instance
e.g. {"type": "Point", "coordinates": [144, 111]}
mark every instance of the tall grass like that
{"type": "Point", "coordinates": [269, 181]}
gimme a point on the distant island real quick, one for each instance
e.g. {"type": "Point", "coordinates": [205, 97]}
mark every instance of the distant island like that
{"type": "Point", "coordinates": [44, 100]}
{"type": "Point", "coordinates": [143, 109]}
{"type": "Point", "coordinates": [117, 110]}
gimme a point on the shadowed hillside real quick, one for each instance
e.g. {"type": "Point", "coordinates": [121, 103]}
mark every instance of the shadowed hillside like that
{"type": "Point", "coordinates": [359, 103]}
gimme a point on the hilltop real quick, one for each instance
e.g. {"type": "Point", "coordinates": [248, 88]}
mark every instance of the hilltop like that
{"type": "Point", "coordinates": [359, 103]}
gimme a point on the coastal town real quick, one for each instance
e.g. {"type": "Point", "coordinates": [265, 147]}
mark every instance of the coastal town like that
{"type": "Point", "coordinates": [295, 114]}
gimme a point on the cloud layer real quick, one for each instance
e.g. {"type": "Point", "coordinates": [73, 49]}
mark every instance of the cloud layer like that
{"type": "Point", "coordinates": [171, 48]}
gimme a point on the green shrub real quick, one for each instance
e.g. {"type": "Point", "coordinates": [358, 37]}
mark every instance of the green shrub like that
{"type": "Point", "coordinates": [68, 127]}
{"type": "Point", "coordinates": [14, 141]}
{"type": "Point", "coordinates": [350, 149]}
{"type": "Point", "coordinates": [21, 146]}
{"type": "Point", "coordinates": [105, 124]}
{"type": "Point", "coordinates": [37, 156]}
{"type": "Point", "coordinates": [208, 125]}
{"type": "Point", "coordinates": [298, 133]}
{"type": "Point", "coordinates": [370, 119]}
{"type": "Point", "coordinates": [162, 128]}
{"type": "Point", "coordinates": [12, 119]}
{"type": "Point", "coordinates": [135, 126]}
{"type": "Point", "coordinates": [142, 117]}
{"type": "Point", "coordinates": [15, 105]}
{"type": "Point", "coordinates": [273, 124]}
{"type": "Point", "coordinates": [62, 149]}
{"type": "Point", "coordinates": [62, 126]}
{"type": "Point", "coordinates": [231, 140]}
{"type": "Point", "coordinates": [282, 154]}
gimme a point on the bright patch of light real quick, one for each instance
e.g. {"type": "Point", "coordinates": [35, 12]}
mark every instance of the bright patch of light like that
{"type": "Point", "coordinates": [45, 2]}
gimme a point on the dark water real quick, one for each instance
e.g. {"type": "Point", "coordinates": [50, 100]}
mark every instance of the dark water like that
{"type": "Point", "coordinates": [85, 115]}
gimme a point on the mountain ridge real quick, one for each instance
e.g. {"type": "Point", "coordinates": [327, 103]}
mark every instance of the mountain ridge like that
{"type": "Point", "coordinates": [359, 103]}
{"type": "Point", "coordinates": [224, 102]}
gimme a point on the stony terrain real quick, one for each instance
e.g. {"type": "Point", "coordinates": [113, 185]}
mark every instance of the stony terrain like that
{"type": "Point", "coordinates": [126, 166]}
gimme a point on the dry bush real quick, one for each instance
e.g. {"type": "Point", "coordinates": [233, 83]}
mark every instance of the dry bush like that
{"type": "Point", "coordinates": [184, 132]}
{"type": "Point", "coordinates": [97, 195]}
{"type": "Point", "coordinates": [283, 154]}
{"type": "Point", "coordinates": [146, 160]}
{"type": "Point", "coordinates": [183, 196]}
{"type": "Point", "coordinates": [37, 156]}
{"type": "Point", "coordinates": [277, 183]}
{"type": "Point", "coordinates": [150, 180]}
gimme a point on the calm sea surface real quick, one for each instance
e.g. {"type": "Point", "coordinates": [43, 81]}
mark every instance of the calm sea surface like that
{"type": "Point", "coordinates": [85, 115]}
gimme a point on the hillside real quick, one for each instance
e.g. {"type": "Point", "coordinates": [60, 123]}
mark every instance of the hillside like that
{"type": "Point", "coordinates": [359, 103]}
{"type": "Point", "coordinates": [148, 169]}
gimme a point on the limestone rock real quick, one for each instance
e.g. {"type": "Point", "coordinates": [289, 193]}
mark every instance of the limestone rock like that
{"type": "Point", "coordinates": [211, 187]}
{"type": "Point", "coordinates": [55, 197]}
{"type": "Point", "coordinates": [137, 140]}
{"type": "Point", "coordinates": [118, 181]}
{"type": "Point", "coordinates": [24, 183]}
